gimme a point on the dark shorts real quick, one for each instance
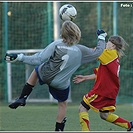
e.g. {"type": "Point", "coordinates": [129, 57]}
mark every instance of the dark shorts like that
{"type": "Point", "coordinates": [58, 94]}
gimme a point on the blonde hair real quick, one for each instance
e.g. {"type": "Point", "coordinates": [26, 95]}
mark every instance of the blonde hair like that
{"type": "Point", "coordinates": [120, 44]}
{"type": "Point", "coordinates": [71, 33]}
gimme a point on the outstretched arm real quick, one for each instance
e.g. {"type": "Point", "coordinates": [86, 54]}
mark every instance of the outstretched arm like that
{"type": "Point", "coordinates": [81, 78]}
{"type": "Point", "coordinates": [35, 59]}
{"type": "Point", "coordinates": [91, 54]}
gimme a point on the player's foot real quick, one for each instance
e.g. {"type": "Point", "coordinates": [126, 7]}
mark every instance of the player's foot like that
{"type": "Point", "coordinates": [18, 102]}
{"type": "Point", "coordinates": [131, 128]}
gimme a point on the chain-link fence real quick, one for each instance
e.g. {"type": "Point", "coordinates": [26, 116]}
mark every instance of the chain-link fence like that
{"type": "Point", "coordinates": [29, 25]}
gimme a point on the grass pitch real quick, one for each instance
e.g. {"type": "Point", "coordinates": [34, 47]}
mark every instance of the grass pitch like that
{"type": "Point", "coordinates": [41, 117]}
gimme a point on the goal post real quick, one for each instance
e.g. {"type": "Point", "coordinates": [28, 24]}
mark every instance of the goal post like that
{"type": "Point", "coordinates": [17, 75]}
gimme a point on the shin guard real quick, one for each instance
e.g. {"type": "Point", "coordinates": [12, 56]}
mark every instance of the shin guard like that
{"type": "Point", "coordinates": [84, 121]}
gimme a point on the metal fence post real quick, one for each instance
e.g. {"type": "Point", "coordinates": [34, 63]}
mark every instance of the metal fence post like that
{"type": "Point", "coordinates": [114, 18]}
{"type": "Point", "coordinates": [5, 46]}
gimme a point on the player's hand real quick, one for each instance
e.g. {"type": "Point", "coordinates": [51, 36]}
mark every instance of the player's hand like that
{"type": "Point", "coordinates": [13, 57]}
{"type": "Point", "coordinates": [78, 78]}
{"type": "Point", "coordinates": [101, 34]}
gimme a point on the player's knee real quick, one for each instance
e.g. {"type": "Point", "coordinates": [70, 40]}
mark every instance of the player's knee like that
{"type": "Point", "coordinates": [82, 108]}
{"type": "Point", "coordinates": [104, 115]}
{"type": "Point", "coordinates": [62, 104]}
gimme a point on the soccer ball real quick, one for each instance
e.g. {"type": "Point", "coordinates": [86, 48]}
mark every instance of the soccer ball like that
{"type": "Point", "coordinates": [67, 12]}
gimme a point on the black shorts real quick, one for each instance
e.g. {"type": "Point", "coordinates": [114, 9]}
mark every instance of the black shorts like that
{"type": "Point", "coordinates": [58, 94]}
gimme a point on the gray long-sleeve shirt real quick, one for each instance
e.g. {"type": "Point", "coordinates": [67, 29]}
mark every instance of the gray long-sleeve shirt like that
{"type": "Point", "coordinates": [58, 61]}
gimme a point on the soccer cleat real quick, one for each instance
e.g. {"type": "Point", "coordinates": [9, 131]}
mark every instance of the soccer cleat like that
{"type": "Point", "coordinates": [18, 102]}
{"type": "Point", "coordinates": [131, 128]}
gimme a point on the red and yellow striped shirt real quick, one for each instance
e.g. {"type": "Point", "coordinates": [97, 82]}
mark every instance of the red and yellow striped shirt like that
{"type": "Point", "coordinates": [107, 82]}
